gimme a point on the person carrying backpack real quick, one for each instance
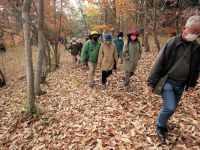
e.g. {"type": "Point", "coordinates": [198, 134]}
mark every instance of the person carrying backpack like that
{"type": "Point", "coordinates": [90, 54]}
{"type": "Point", "coordinates": [131, 55]}
{"type": "Point", "coordinates": [75, 50]}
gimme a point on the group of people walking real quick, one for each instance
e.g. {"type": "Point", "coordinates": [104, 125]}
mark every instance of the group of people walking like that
{"type": "Point", "coordinates": [178, 62]}
{"type": "Point", "coordinates": [106, 55]}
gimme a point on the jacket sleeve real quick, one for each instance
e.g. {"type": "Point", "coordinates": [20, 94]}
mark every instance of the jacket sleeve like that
{"type": "Point", "coordinates": [140, 49]}
{"type": "Point", "coordinates": [84, 56]}
{"type": "Point", "coordinates": [158, 66]}
{"type": "Point", "coordinates": [70, 47]}
{"type": "Point", "coordinates": [125, 51]}
{"type": "Point", "coordinates": [196, 77]}
{"type": "Point", "coordinates": [100, 58]}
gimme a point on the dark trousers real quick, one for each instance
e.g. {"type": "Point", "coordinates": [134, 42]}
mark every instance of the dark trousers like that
{"type": "Point", "coordinates": [128, 75]}
{"type": "Point", "coordinates": [105, 75]}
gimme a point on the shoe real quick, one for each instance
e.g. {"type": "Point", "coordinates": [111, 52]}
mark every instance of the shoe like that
{"type": "Point", "coordinates": [127, 88]}
{"type": "Point", "coordinates": [161, 132]}
{"type": "Point", "coordinates": [104, 86]}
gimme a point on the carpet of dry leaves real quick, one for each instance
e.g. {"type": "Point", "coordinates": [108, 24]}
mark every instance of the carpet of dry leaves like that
{"type": "Point", "coordinates": [75, 117]}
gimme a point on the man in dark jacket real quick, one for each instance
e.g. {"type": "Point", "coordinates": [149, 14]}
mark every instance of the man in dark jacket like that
{"type": "Point", "coordinates": [185, 75]}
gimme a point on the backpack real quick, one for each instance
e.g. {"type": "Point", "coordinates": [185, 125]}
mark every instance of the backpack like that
{"type": "Point", "coordinates": [75, 48]}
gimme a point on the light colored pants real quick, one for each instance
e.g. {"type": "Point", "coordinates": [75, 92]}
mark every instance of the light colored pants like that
{"type": "Point", "coordinates": [120, 56]}
{"type": "Point", "coordinates": [75, 59]}
{"type": "Point", "coordinates": [92, 69]}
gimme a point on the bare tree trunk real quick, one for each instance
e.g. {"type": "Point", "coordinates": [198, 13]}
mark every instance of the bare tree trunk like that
{"type": "Point", "coordinates": [154, 27]}
{"type": "Point", "coordinates": [3, 78]}
{"type": "Point", "coordinates": [41, 48]}
{"type": "Point", "coordinates": [115, 16]}
{"type": "Point", "coordinates": [30, 104]}
{"type": "Point", "coordinates": [48, 54]}
{"type": "Point", "coordinates": [13, 40]}
{"type": "Point", "coordinates": [177, 17]}
{"type": "Point", "coordinates": [44, 68]}
{"type": "Point", "coordinates": [83, 15]}
{"type": "Point", "coordinates": [55, 39]}
{"type": "Point", "coordinates": [146, 22]}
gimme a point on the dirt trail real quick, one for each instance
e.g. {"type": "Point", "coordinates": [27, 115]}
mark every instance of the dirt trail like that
{"type": "Point", "coordinates": [75, 116]}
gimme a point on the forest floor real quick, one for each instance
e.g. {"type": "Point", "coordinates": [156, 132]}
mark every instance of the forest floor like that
{"type": "Point", "coordinates": [75, 117]}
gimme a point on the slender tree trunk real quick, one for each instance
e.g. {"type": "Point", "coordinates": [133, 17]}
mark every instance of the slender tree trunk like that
{"type": "Point", "coordinates": [146, 30]}
{"type": "Point", "coordinates": [41, 48]}
{"type": "Point", "coordinates": [44, 68]}
{"type": "Point", "coordinates": [115, 16]}
{"type": "Point", "coordinates": [48, 54]}
{"type": "Point", "coordinates": [55, 39]}
{"type": "Point", "coordinates": [30, 104]}
{"type": "Point", "coordinates": [13, 40]}
{"type": "Point", "coordinates": [3, 78]}
{"type": "Point", "coordinates": [83, 15]}
{"type": "Point", "coordinates": [155, 27]}
{"type": "Point", "coordinates": [178, 17]}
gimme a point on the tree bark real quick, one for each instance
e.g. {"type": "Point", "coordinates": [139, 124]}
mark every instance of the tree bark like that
{"type": "Point", "coordinates": [3, 78]}
{"type": "Point", "coordinates": [115, 16]}
{"type": "Point", "coordinates": [30, 103]}
{"type": "Point", "coordinates": [55, 39]}
{"type": "Point", "coordinates": [146, 30]}
{"type": "Point", "coordinates": [177, 17]}
{"type": "Point", "coordinates": [155, 27]}
{"type": "Point", "coordinates": [41, 48]}
{"type": "Point", "coordinates": [83, 16]}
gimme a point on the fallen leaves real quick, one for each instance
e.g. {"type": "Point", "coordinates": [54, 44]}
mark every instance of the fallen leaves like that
{"type": "Point", "coordinates": [73, 116]}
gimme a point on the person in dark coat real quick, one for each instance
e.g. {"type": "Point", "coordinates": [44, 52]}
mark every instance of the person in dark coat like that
{"type": "Point", "coordinates": [185, 75]}
{"type": "Point", "coordinates": [119, 43]}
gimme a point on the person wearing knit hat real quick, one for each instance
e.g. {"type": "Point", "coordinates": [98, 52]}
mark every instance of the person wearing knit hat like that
{"type": "Point", "coordinates": [119, 43]}
{"type": "Point", "coordinates": [178, 64]}
{"type": "Point", "coordinates": [107, 58]}
{"type": "Point", "coordinates": [131, 55]}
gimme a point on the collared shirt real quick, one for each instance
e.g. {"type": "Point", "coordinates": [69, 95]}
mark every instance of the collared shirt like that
{"type": "Point", "coordinates": [180, 75]}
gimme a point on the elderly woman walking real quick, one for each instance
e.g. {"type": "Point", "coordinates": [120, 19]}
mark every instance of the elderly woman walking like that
{"type": "Point", "coordinates": [107, 58]}
{"type": "Point", "coordinates": [131, 55]}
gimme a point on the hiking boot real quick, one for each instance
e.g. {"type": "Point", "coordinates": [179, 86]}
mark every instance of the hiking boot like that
{"type": "Point", "coordinates": [104, 86]}
{"type": "Point", "coordinates": [161, 133]}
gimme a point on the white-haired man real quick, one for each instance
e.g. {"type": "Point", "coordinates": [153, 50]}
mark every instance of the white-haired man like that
{"type": "Point", "coordinates": [182, 53]}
